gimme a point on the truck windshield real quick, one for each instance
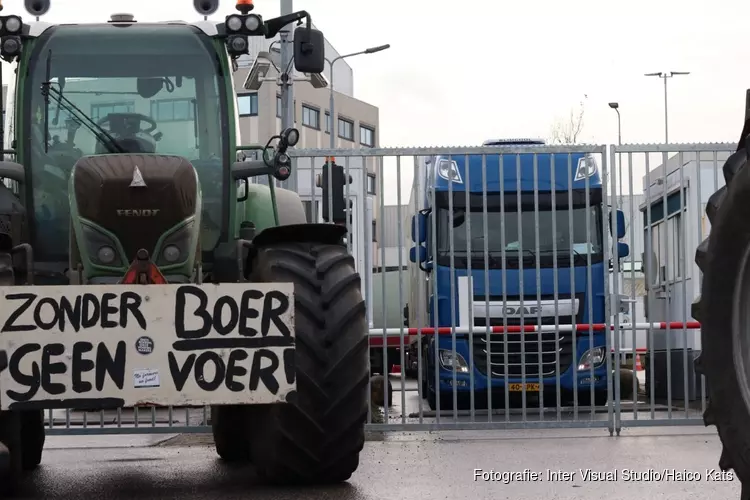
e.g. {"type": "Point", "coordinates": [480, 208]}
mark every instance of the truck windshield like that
{"type": "Point", "coordinates": [154, 90]}
{"type": "Point", "coordinates": [520, 240]}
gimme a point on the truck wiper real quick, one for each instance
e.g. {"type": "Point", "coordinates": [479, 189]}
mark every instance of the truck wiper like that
{"type": "Point", "coordinates": [102, 135]}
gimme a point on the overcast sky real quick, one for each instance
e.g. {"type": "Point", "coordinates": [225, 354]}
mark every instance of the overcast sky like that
{"type": "Point", "coordinates": [458, 73]}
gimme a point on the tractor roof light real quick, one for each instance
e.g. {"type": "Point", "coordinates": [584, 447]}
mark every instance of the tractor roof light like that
{"type": "Point", "coordinates": [10, 47]}
{"type": "Point", "coordinates": [245, 6]}
{"type": "Point", "coordinates": [237, 45]}
{"type": "Point", "coordinates": [234, 23]}
{"type": "Point", "coordinates": [253, 22]}
{"type": "Point", "coordinates": [11, 25]}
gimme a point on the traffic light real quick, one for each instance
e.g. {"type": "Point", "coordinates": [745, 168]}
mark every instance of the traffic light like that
{"type": "Point", "coordinates": [334, 191]}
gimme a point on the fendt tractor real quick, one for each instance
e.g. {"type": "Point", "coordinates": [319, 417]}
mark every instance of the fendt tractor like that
{"type": "Point", "coordinates": [121, 167]}
{"type": "Point", "coordinates": [723, 312]}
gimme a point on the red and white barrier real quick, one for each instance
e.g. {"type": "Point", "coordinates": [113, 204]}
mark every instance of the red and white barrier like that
{"type": "Point", "coordinates": [583, 327]}
{"type": "Point", "coordinates": [393, 335]}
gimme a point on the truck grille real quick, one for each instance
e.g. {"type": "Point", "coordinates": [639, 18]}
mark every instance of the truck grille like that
{"type": "Point", "coordinates": [523, 348]}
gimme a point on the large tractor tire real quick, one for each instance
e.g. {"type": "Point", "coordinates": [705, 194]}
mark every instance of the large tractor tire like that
{"type": "Point", "coordinates": [722, 309]}
{"type": "Point", "coordinates": [11, 462]}
{"type": "Point", "coordinates": [317, 435]}
{"type": "Point", "coordinates": [229, 426]}
{"type": "Point", "coordinates": [32, 438]}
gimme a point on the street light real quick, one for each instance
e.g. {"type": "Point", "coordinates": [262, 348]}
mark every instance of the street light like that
{"type": "Point", "coordinates": [616, 107]}
{"type": "Point", "coordinates": [664, 76]}
{"type": "Point", "coordinates": [371, 50]}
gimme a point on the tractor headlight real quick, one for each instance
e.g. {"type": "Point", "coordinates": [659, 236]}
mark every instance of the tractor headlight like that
{"type": "Point", "coordinates": [106, 255]}
{"type": "Point", "coordinates": [252, 23]}
{"type": "Point", "coordinates": [100, 247]}
{"type": "Point", "coordinates": [171, 253]}
{"type": "Point", "coordinates": [13, 24]}
{"type": "Point", "coordinates": [175, 248]}
{"type": "Point", "coordinates": [234, 23]}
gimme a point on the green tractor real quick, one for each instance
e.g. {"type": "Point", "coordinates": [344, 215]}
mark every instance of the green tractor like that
{"type": "Point", "coordinates": [121, 170]}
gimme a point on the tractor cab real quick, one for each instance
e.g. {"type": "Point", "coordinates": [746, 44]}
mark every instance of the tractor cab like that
{"type": "Point", "coordinates": [126, 136]}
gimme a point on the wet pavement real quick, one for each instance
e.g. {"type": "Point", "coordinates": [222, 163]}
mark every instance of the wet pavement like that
{"type": "Point", "coordinates": [519, 464]}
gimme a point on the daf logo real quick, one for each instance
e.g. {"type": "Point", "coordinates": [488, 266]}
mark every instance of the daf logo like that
{"type": "Point", "coordinates": [138, 212]}
{"type": "Point", "coordinates": [516, 311]}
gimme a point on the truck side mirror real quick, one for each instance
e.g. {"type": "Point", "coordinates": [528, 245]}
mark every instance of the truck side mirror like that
{"type": "Point", "coordinates": [419, 228]}
{"type": "Point", "coordinates": [623, 250]}
{"type": "Point", "coordinates": [620, 224]}
{"type": "Point", "coordinates": [309, 50]}
{"type": "Point", "coordinates": [418, 254]}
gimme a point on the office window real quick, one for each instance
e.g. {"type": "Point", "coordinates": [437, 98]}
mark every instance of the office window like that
{"type": "Point", "coordinates": [102, 109]}
{"type": "Point", "coordinates": [328, 122]}
{"type": "Point", "coordinates": [371, 184]}
{"type": "Point", "coordinates": [247, 104]}
{"type": "Point", "coordinates": [367, 136]}
{"type": "Point", "coordinates": [311, 117]}
{"type": "Point", "coordinates": [346, 129]}
{"type": "Point", "coordinates": [374, 231]}
{"type": "Point", "coordinates": [173, 110]}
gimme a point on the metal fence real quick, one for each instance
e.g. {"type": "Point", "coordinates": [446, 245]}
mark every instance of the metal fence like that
{"type": "Point", "coordinates": [513, 309]}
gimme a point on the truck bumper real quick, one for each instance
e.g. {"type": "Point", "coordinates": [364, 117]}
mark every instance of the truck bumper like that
{"type": "Point", "coordinates": [568, 380]}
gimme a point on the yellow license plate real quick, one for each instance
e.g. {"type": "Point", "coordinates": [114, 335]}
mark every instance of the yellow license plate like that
{"type": "Point", "coordinates": [519, 387]}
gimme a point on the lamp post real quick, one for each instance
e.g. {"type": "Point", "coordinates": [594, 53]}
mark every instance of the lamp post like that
{"type": "Point", "coordinates": [664, 76]}
{"type": "Point", "coordinates": [616, 107]}
{"type": "Point", "coordinates": [371, 50]}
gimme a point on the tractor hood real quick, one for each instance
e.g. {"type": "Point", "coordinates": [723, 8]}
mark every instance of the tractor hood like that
{"type": "Point", "coordinates": [135, 197]}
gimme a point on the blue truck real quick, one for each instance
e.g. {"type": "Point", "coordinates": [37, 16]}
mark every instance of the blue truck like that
{"type": "Point", "coordinates": [519, 291]}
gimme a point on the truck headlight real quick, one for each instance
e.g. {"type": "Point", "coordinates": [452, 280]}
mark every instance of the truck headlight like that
{"type": "Point", "coordinates": [449, 358]}
{"type": "Point", "coordinates": [175, 248]}
{"type": "Point", "coordinates": [591, 357]}
{"type": "Point", "coordinates": [448, 170]}
{"type": "Point", "coordinates": [100, 247]}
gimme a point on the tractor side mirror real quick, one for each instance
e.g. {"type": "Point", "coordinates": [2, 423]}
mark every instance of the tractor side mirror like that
{"type": "Point", "coordinates": [419, 228]}
{"type": "Point", "coordinates": [309, 50]}
{"type": "Point", "coordinates": [13, 171]}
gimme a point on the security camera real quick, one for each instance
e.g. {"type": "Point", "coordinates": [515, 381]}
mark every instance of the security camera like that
{"type": "Point", "coordinates": [257, 73]}
{"type": "Point", "coordinates": [318, 80]}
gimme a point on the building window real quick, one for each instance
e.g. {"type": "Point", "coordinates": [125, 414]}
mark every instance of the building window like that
{"type": "Point", "coordinates": [371, 189]}
{"type": "Point", "coordinates": [367, 136]}
{"type": "Point", "coordinates": [346, 129]}
{"type": "Point", "coordinates": [311, 117]}
{"type": "Point", "coordinates": [102, 109]}
{"type": "Point", "coordinates": [374, 231]}
{"type": "Point", "coordinates": [173, 110]}
{"type": "Point", "coordinates": [328, 122]}
{"type": "Point", "coordinates": [247, 104]}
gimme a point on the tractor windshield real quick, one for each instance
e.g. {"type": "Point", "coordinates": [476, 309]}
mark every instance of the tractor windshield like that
{"type": "Point", "coordinates": [109, 89]}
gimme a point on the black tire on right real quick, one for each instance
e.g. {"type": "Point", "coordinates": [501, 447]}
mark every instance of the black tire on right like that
{"type": "Point", "coordinates": [719, 259]}
{"type": "Point", "coordinates": [317, 435]}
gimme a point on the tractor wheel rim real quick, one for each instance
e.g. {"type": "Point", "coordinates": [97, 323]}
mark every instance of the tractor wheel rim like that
{"type": "Point", "coordinates": [741, 326]}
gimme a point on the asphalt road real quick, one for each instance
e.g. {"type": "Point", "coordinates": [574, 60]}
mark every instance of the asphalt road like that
{"type": "Point", "coordinates": [406, 466]}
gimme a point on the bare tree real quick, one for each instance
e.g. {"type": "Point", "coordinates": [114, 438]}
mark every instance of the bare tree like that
{"type": "Point", "coordinates": [568, 131]}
